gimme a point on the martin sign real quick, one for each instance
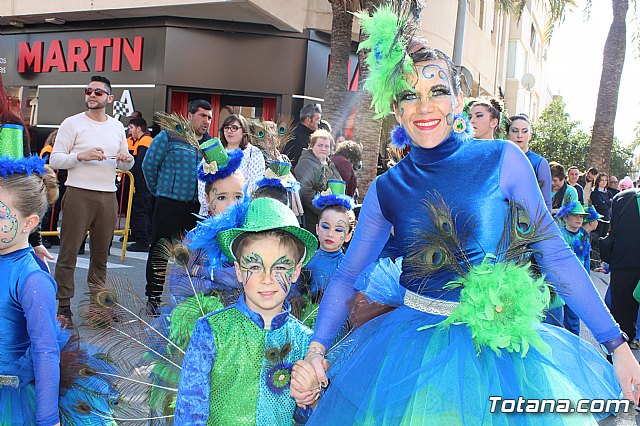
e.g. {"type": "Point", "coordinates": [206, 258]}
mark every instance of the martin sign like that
{"type": "Point", "coordinates": [81, 55]}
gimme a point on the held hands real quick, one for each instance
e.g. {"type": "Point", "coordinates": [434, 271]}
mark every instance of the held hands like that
{"type": "Point", "coordinates": [96, 153]}
{"type": "Point", "coordinates": [307, 376]}
{"type": "Point", "coordinates": [627, 371]}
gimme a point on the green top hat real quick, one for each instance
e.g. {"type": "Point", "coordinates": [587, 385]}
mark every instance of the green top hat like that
{"type": "Point", "coordinates": [214, 152]}
{"type": "Point", "coordinates": [592, 215]}
{"type": "Point", "coordinates": [337, 187]}
{"type": "Point", "coordinates": [265, 214]}
{"type": "Point", "coordinates": [572, 208]}
{"type": "Point", "coordinates": [11, 142]}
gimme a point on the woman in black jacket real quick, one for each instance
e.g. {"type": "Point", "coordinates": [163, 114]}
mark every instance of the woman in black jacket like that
{"type": "Point", "coordinates": [601, 200]}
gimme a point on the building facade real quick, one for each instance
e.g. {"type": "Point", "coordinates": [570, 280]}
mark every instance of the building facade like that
{"type": "Point", "coordinates": [259, 57]}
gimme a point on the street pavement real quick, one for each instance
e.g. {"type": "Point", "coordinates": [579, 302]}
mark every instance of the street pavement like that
{"type": "Point", "coordinates": [134, 268]}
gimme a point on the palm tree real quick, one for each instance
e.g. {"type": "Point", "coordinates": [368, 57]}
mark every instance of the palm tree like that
{"type": "Point", "coordinates": [612, 63]}
{"type": "Point", "coordinates": [338, 78]}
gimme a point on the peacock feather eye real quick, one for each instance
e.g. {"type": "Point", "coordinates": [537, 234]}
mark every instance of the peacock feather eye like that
{"type": "Point", "coordinates": [87, 372]}
{"type": "Point", "coordinates": [105, 298]}
{"type": "Point", "coordinates": [272, 354]}
{"type": "Point", "coordinates": [114, 403]}
{"type": "Point", "coordinates": [181, 255]}
{"type": "Point", "coordinates": [282, 130]}
{"type": "Point", "coordinates": [179, 128]}
{"type": "Point", "coordinates": [261, 134]}
{"type": "Point", "coordinates": [523, 222]}
{"type": "Point", "coordinates": [284, 352]}
{"type": "Point", "coordinates": [435, 257]}
{"type": "Point", "coordinates": [83, 408]}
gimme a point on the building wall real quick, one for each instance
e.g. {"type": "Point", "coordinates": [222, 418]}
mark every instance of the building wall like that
{"type": "Point", "coordinates": [498, 50]}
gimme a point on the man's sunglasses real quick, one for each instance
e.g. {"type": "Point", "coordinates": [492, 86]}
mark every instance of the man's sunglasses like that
{"type": "Point", "coordinates": [98, 92]}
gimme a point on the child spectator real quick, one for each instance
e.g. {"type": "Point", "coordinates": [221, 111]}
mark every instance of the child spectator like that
{"type": "Point", "coordinates": [237, 368]}
{"type": "Point", "coordinates": [577, 237]}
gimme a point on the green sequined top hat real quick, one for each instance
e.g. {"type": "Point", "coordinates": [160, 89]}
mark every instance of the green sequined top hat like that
{"type": "Point", "coordinates": [12, 159]}
{"type": "Point", "coordinates": [11, 141]}
{"type": "Point", "coordinates": [593, 215]}
{"type": "Point", "coordinates": [278, 174]}
{"type": "Point", "coordinates": [218, 162]}
{"type": "Point", "coordinates": [265, 214]}
{"type": "Point", "coordinates": [572, 208]}
{"type": "Point", "coordinates": [336, 186]}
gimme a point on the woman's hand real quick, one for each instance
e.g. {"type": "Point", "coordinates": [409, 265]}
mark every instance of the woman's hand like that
{"type": "Point", "coordinates": [627, 371]}
{"type": "Point", "coordinates": [42, 253]}
{"type": "Point", "coordinates": [305, 388]}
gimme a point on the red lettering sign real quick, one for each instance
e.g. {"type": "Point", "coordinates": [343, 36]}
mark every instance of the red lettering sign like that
{"type": "Point", "coordinates": [78, 53]}
{"type": "Point", "coordinates": [55, 57]}
{"type": "Point", "coordinates": [30, 57]}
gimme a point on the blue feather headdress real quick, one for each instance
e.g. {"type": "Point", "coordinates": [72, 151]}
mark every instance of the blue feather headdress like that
{"type": "Point", "coordinates": [24, 165]}
{"type": "Point", "coordinates": [203, 236]}
{"type": "Point", "coordinates": [323, 201]}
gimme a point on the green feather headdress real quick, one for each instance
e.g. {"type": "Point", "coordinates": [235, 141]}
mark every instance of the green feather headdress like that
{"type": "Point", "coordinates": [389, 31]}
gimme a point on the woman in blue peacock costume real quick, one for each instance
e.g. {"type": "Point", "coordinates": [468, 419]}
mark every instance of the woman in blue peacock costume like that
{"type": "Point", "coordinates": [467, 326]}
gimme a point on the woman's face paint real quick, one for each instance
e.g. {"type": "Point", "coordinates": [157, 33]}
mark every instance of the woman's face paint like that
{"type": "Point", "coordinates": [427, 111]}
{"type": "Point", "coordinates": [267, 271]}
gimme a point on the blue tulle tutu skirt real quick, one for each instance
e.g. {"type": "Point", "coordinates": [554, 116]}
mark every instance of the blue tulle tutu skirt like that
{"type": "Point", "coordinates": [387, 372]}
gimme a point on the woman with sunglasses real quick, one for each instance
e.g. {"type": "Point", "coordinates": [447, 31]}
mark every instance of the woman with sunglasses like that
{"type": "Point", "coordinates": [234, 133]}
{"type": "Point", "coordinates": [465, 340]}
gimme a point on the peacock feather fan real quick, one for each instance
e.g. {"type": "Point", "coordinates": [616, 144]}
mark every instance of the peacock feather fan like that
{"type": "Point", "coordinates": [389, 30]}
{"type": "Point", "coordinates": [177, 125]}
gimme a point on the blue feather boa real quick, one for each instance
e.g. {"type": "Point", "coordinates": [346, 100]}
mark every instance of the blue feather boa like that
{"type": "Point", "coordinates": [235, 159]}
{"type": "Point", "coordinates": [292, 186]}
{"type": "Point", "coordinates": [203, 236]}
{"type": "Point", "coordinates": [400, 138]}
{"type": "Point", "coordinates": [323, 201]}
{"type": "Point", "coordinates": [25, 165]}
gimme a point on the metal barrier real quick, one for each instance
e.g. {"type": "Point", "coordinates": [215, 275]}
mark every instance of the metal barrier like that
{"type": "Point", "coordinates": [127, 221]}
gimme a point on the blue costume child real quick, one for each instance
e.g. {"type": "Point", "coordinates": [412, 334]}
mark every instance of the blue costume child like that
{"type": "Point", "coordinates": [237, 368]}
{"type": "Point", "coordinates": [335, 227]}
{"type": "Point", "coordinates": [579, 242]}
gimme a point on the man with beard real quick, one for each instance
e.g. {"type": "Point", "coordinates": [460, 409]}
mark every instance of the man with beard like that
{"type": "Point", "coordinates": [586, 181]}
{"type": "Point", "coordinates": [170, 170]}
{"type": "Point", "coordinates": [90, 145]}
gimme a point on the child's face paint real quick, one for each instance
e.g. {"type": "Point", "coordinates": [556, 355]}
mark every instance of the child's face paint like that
{"type": "Point", "coordinates": [11, 226]}
{"type": "Point", "coordinates": [224, 193]}
{"type": "Point", "coordinates": [333, 230]}
{"type": "Point", "coordinates": [426, 112]}
{"type": "Point", "coordinates": [267, 270]}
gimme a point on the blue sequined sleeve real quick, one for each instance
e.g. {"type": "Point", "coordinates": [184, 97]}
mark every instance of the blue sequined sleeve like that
{"type": "Point", "coordinates": [371, 235]}
{"type": "Point", "coordinates": [37, 296]}
{"type": "Point", "coordinates": [192, 405]}
{"type": "Point", "coordinates": [556, 260]}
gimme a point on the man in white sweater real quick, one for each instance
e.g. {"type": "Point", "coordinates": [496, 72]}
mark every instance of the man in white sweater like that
{"type": "Point", "coordinates": [90, 145]}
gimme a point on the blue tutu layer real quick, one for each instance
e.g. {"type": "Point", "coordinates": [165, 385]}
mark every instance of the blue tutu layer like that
{"type": "Point", "coordinates": [389, 373]}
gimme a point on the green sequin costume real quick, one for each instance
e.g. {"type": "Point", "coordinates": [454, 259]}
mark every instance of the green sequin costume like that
{"type": "Point", "coordinates": [237, 373]}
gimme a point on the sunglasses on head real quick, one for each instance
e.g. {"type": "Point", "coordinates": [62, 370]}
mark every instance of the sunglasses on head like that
{"type": "Point", "coordinates": [98, 92]}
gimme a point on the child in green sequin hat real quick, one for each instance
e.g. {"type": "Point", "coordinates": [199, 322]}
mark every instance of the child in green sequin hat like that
{"type": "Point", "coordinates": [237, 368]}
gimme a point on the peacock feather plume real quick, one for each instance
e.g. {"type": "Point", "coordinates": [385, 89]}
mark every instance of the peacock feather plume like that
{"type": "Point", "coordinates": [178, 126]}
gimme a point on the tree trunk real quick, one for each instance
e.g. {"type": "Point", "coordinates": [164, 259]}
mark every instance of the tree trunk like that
{"type": "Point", "coordinates": [333, 109]}
{"type": "Point", "coordinates": [612, 63]}
{"type": "Point", "coordinates": [367, 130]}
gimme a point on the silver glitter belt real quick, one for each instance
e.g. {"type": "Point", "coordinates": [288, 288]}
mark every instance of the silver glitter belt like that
{"type": "Point", "coordinates": [9, 381]}
{"type": "Point", "coordinates": [428, 304]}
